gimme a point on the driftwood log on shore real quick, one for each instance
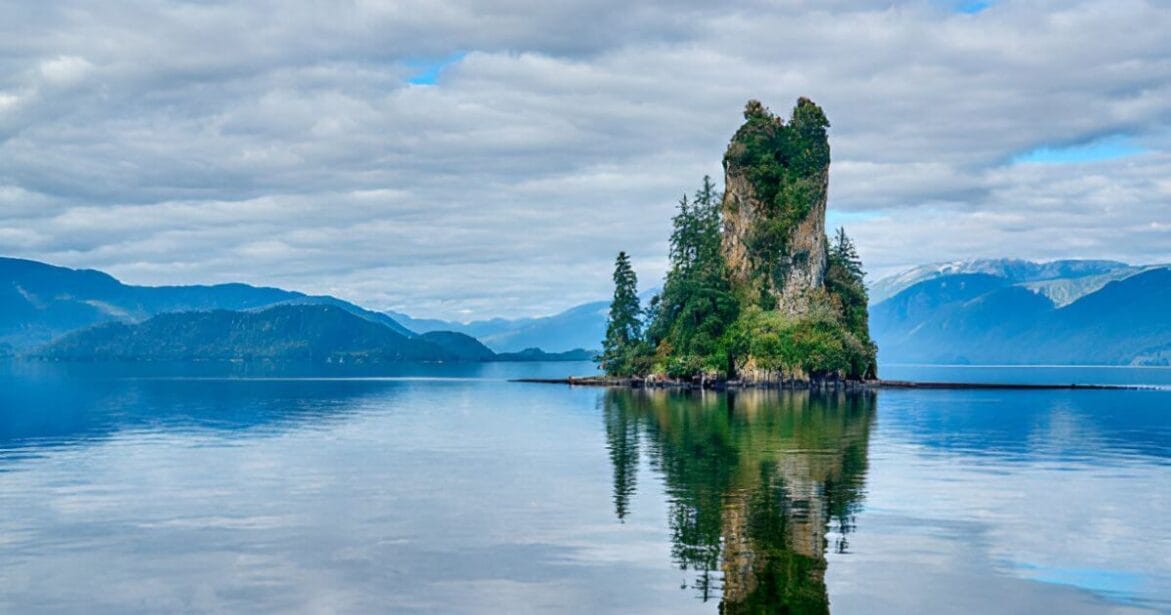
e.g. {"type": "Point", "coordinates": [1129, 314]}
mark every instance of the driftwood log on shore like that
{"type": "Point", "coordinates": [847, 385]}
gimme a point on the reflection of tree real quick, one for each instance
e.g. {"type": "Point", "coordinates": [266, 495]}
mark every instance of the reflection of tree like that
{"type": "Point", "coordinates": [755, 479]}
{"type": "Point", "coordinates": [622, 440]}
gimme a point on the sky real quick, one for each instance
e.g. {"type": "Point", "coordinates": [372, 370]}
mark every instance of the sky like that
{"type": "Point", "coordinates": [464, 159]}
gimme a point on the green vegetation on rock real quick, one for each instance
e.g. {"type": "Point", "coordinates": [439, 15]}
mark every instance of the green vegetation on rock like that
{"type": "Point", "coordinates": [710, 321]}
{"type": "Point", "coordinates": [785, 166]}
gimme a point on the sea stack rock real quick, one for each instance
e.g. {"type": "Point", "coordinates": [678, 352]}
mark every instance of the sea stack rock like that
{"type": "Point", "coordinates": [776, 180]}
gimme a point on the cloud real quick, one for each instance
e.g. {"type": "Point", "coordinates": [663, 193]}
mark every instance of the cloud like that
{"type": "Point", "coordinates": [1108, 148]}
{"type": "Point", "coordinates": [285, 144]}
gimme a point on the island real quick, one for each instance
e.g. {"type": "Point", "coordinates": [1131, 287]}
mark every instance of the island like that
{"type": "Point", "coordinates": [756, 292]}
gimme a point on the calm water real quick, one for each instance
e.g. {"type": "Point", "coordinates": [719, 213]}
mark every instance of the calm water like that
{"type": "Point", "coordinates": [1147, 376]}
{"type": "Point", "coordinates": [454, 490]}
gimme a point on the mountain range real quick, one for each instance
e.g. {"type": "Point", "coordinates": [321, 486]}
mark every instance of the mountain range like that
{"type": "Point", "coordinates": [1062, 281]}
{"type": "Point", "coordinates": [284, 333]}
{"type": "Point", "coordinates": [992, 311]}
{"type": "Point", "coordinates": [39, 302]}
{"type": "Point", "coordinates": [582, 326]}
{"type": "Point", "coordinates": [61, 314]}
{"type": "Point", "coordinates": [579, 327]}
{"type": "Point", "coordinates": [1103, 314]}
{"type": "Point", "coordinates": [989, 311]}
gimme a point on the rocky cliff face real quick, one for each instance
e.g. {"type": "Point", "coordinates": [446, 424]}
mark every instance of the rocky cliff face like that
{"type": "Point", "coordinates": [776, 178]}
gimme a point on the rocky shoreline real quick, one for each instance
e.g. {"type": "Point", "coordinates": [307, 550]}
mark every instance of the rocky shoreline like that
{"type": "Point", "coordinates": [817, 385]}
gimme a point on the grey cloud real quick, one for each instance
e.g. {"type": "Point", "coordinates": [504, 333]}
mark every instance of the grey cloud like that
{"type": "Point", "coordinates": [280, 143]}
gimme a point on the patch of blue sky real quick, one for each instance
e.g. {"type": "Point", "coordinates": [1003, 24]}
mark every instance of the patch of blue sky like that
{"type": "Point", "coordinates": [972, 7]}
{"type": "Point", "coordinates": [426, 70]}
{"type": "Point", "coordinates": [1106, 148]}
{"type": "Point", "coordinates": [851, 216]}
{"type": "Point", "coordinates": [969, 7]}
{"type": "Point", "coordinates": [835, 219]}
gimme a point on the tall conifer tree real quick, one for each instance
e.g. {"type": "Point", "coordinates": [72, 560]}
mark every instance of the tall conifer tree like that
{"type": "Point", "coordinates": [845, 280]}
{"type": "Point", "coordinates": [697, 301]}
{"type": "Point", "coordinates": [624, 328]}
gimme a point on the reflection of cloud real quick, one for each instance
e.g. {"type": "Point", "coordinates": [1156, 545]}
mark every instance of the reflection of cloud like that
{"type": "Point", "coordinates": [409, 496]}
{"type": "Point", "coordinates": [256, 522]}
{"type": "Point", "coordinates": [936, 566]}
{"type": "Point", "coordinates": [1064, 432]}
{"type": "Point", "coordinates": [1067, 503]}
{"type": "Point", "coordinates": [1118, 583]}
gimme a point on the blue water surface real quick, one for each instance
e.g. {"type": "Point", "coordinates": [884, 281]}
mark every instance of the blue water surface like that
{"type": "Point", "coordinates": [451, 489]}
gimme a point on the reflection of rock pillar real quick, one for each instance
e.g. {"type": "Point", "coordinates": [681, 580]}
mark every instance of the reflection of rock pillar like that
{"type": "Point", "coordinates": [739, 553]}
{"type": "Point", "coordinates": [805, 511]}
{"type": "Point", "coordinates": [766, 567]}
{"type": "Point", "coordinates": [755, 485]}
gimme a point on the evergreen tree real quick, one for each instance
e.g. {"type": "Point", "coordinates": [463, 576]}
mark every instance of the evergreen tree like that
{"type": "Point", "coordinates": [697, 326]}
{"type": "Point", "coordinates": [697, 302]}
{"type": "Point", "coordinates": [843, 252]}
{"type": "Point", "coordinates": [845, 281]}
{"type": "Point", "coordinates": [624, 328]}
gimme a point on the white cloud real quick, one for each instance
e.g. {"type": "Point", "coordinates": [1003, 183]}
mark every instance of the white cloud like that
{"type": "Point", "coordinates": [189, 135]}
{"type": "Point", "coordinates": [64, 71]}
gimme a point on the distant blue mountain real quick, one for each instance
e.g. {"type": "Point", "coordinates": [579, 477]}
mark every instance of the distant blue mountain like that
{"type": "Point", "coordinates": [284, 333]}
{"type": "Point", "coordinates": [1062, 281]}
{"type": "Point", "coordinates": [581, 327]}
{"type": "Point", "coordinates": [981, 318]}
{"type": "Point", "coordinates": [39, 302]}
{"type": "Point", "coordinates": [69, 314]}
{"type": "Point", "coordinates": [459, 346]}
{"type": "Point", "coordinates": [536, 354]}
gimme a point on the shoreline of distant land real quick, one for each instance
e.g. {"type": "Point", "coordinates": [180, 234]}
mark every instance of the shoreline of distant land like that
{"type": "Point", "coordinates": [832, 385]}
